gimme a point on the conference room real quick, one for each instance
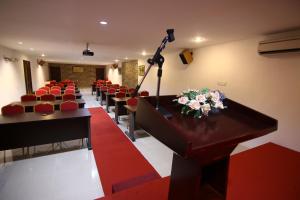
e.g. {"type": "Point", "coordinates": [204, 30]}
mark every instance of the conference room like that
{"type": "Point", "coordinates": [152, 100]}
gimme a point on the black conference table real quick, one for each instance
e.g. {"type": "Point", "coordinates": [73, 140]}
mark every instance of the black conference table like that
{"type": "Point", "coordinates": [30, 129]}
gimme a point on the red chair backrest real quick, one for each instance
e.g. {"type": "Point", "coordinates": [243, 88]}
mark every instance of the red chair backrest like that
{"type": "Point", "coordinates": [132, 101]}
{"type": "Point", "coordinates": [55, 92]}
{"type": "Point", "coordinates": [70, 87]}
{"type": "Point", "coordinates": [61, 85]}
{"type": "Point", "coordinates": [48, 97]}
{"type": "Point", "coordinates": [144, 93]}
{"type": "Point", "coordinates": [123, 87]}
{"type": "Point", "coordinates": [124, 90]}
{"type": "Point", "coordinates": [46, 88]}
{"type": "Point", "coordinates": [28, 97]}
{"type": "Point", "coordinates": [120, 94]}
{"type": "Point", "coordinates": [69, 91]}
{"type": "Point", "coordinates": [44, 108]}
{"type": "Point", "coordinates": [56, 87]}
{"type": "Point", "coordinates": [108, 82]}
{"type": "Point", "coordinates": [68, 97]}
{"type": "Point", "coordinates": [131, 90]}
{"type": "Point", "coordinates": [53, 82]}
{"type": "Point", "coordinates": [71, 84]}
{"type": "Point", "coordinates": [12, 109]}
{"type": "Point", "coordinates": [68, 106]}
{"type": "Point", "coordinates": [40, 92]}
{"type": "Point", "coordinates": [103, 88]}
{"type": "Point", "coordinates": [111, 90]}
{"type": "Point", "coordinates": [116, 86]}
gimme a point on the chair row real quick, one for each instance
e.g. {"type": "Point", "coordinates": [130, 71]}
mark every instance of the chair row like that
{"type": "Point", "coordinates": [47, 97]}
{"type": "Point", "coordinates": [44, 108]}
{"type": "Point", "coordinates": [125, 91]}
{"type": "Point", "coordinates": [55, 92]}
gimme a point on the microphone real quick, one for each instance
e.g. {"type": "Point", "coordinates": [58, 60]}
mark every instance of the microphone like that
{"type": "Point", "coordinates": [171, 37]}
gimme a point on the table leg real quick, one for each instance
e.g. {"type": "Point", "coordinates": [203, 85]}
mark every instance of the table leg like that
{"type": "Point", "coordinates": [107, 103]}
{"type": "Point", "coordinates": [117, 112]}
{"type": "Point", "coordinates": [130, 132]}
{"type": "Point", "coordinates": [89, 142]}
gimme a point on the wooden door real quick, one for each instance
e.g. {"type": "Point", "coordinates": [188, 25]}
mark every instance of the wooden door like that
{"type": "Point", "coordinates": [54, 73]}
{"type": "Point", "coordinates": [100, 73]}
{"type": "Point", "coordinates": [27, 74]}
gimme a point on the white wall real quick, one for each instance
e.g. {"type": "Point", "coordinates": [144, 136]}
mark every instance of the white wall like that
{"type": "Point", "coordinates": [269, 84]}
{"type": "Point", "coordinates": [12, 81]}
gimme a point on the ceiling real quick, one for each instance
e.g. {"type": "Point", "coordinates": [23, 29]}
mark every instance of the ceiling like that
{"type": "Point", "coordinates": [60, 28]}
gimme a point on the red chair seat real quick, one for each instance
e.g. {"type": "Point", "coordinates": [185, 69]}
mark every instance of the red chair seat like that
{"type": "Point", "coordinates": [132, 101]}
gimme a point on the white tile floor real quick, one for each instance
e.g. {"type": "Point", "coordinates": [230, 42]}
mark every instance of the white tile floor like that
{"type": "Point", "coordinates": [72, 174]}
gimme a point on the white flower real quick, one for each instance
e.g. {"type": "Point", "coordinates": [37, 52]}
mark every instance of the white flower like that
{"type": "Point", "coordinates": [205, 108]}
{"type": "Point", "coordinates": [215, 96]}
{"type": "Point", "coordinates": [219, 104]}
{"type": "Point", "coordinates": [201, 98]}
{"type": "Point", "coordinates": [183, 100]}
{"type": "Point", "coordinates": [195, 105]}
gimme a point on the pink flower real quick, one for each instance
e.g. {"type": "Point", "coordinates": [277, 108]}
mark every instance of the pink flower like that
{"type": "Point", "coordinates": [201, 98]}
{"type": "Point", "coordinates": [183, 100]}
{"type": "Point", "coordinates": [195, 105]}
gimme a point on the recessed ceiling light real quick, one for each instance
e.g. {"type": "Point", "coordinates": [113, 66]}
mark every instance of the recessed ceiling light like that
{"type": "Point", "coordinates": [144, 53]}
{"type": "Point", "coordinates": [20, 43]}
{"type": "Point", "coordinates": [116, 60]}
{"type": "Point", "coordinates": [199, 39]}
{"type": "Point", "coordinates": [43, 55]}
{"type": "Point", "coordinates": [126, 58]}
{"type": "Point", "coordinates": [31, 49]}
{"type": "Point", "coordinates": [103, 22]}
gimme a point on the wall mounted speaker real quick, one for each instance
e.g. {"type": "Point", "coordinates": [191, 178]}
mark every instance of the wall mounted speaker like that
{"type": "Point", "coordinates": [186, 56]}
{"type": "Point", "coordinates": [40, 62]}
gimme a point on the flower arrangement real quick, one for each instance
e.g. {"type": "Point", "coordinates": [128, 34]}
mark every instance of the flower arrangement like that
{"type": "Point", "coordinates": [200, 102]}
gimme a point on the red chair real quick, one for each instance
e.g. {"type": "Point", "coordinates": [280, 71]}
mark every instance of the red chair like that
{"type": "Point", "coordinates": [71, 84]}
{"type": "Point", "coordinates": [120, 94]}
{"type": "Point", "coordinates": [44, 108]}
{"type": "Point", "coordinates": [70, 87]}
{"type": "Point", "coordinates": [124, 90]}
{"type": "Point", "coordinates": [68, 106]}
{"type": "Point", "coordinates": [56, 87]}
{"type": "Point", "coordinates": [103, 88]}
{"type": "Point", "coordinates": [144, 93]}
{"type": "Point", "coordinates": [108, 82]}
{"type": "Point", "coordinates": [46, 88]}
{"type": "Point", "coordinates": [68, 97]}
{"type": "Point", "coordinates": [55, 92]}
{"type": "Point", "coordinates": [116, 86]}
{"type": "Point", "coordinates": [61, 85]}
{"type": "Point", "coordinates": [132, 101]}
{"type": "Point", "coordinates": [123, 87]}
{"type": "Point", "coordinates": [53, 82]}
{"type": "Point", "coordinates": [12, 109]}
{"type": "Point", "coordinates": [111, 91]}
{"type": "Point", "coordinates": [48, 97]}
{"type": "Point", "coordinates": [131, 90]}
{"type": "Point", "coordinates": [28, 97]}
{"type": "Point", "coordinates": [69, 91]}
{"type": "Point", "coordinates": [40, 92]}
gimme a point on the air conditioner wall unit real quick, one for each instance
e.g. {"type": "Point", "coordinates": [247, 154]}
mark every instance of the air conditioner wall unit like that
{"type": "Point", "coordinates": [281, 45]}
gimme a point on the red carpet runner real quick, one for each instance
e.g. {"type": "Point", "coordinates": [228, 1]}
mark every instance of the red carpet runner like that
{"type": "Point", "coordinates": [116, 157]}
{"type": "Point", "coordinates": [268, 172]}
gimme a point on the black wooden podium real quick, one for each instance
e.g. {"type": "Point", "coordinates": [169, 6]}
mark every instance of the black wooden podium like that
{"type": "Point", "coordinates": [202, 146]}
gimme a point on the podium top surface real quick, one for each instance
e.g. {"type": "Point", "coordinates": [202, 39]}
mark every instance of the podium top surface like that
{"type": "Point", "coordinates": [185, 134]}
